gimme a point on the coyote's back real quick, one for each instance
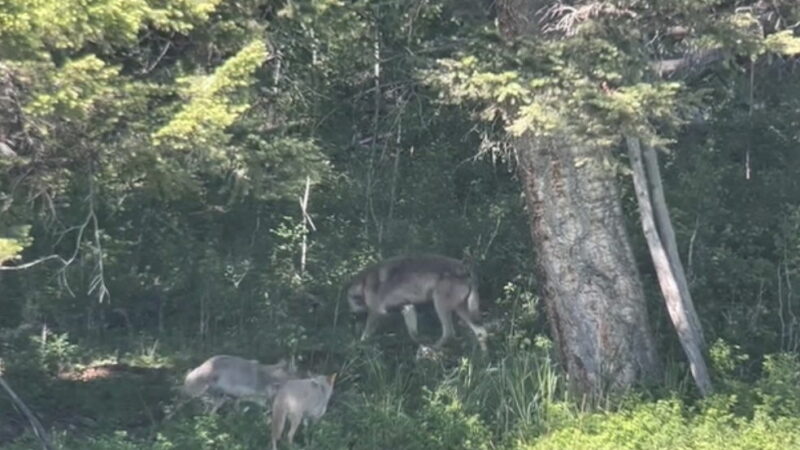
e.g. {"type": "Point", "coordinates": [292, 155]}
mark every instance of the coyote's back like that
{"type": "Point", "coordinates": [224, 376]}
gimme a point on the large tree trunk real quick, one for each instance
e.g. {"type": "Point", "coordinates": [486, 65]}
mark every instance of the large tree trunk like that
{"type": "Point", "coordinates": [587, 274]}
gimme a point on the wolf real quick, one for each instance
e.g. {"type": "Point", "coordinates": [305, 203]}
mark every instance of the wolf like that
{"type": "Point", "coordinates": [300, 401]}
{"type": "Point", "coordinates": [403, 281]}
{"type": "Point", "coordinates": [224, 376]}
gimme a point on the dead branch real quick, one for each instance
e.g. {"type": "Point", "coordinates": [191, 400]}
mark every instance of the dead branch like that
{"type": "Point", "coordinates": [98, 282]}
{"type": "Point", "coordinates": [307, 222]}
{"type": "Point", "coordinates": [38, 429]}
{"type": "Point", "coordinates": [667, 234]}
{"type": "Point", "coordinates": [679, 312]}
{"type": "Point", "coordinates": [562, 18]}
{"type": "Point", "coordinates": [28, 265]}
{"type": "Point", "coordinates": [693, 62]}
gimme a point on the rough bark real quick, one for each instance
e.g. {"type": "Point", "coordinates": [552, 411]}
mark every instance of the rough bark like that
{"type": "Point", "coordinates": [680, 312]}
{"type": "Point", "coordinates": [587, 274]}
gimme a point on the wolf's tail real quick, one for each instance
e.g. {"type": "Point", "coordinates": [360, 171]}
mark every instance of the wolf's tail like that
{"type": "Point", "coordinates": [469, 275]}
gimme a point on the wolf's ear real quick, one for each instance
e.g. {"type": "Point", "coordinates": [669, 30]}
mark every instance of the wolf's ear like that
{"type": "Point", "coordinates": [331, 378]}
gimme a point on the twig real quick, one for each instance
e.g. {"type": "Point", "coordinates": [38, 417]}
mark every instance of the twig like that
{"type": "Point", "coordinates": [393, 189]}
{"type": "Point", "coordinates": [158, 60]}
{"type": "Point", "coordinates": [690, 253]}
{"type": "Point", "coordinates": [492, 237]}
{"type": "Point", "coordinates": [99, 282]}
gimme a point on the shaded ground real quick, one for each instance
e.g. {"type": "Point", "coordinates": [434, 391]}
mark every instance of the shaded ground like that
{"type": "Point", "coordinates": [96, 397]}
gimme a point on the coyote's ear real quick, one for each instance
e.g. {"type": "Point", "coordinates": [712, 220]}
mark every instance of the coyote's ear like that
{"type": "Point", "coordinates": [331, 378]}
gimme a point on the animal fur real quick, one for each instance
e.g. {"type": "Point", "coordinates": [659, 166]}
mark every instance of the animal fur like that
{"type": "Point", "coordinates": [404, 281]}
{"type": "Point", "coordinates": [223, 376]}
{"type": "Point", "coordinates": [299, 401]}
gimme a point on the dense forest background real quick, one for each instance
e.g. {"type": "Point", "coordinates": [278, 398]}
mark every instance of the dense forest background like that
{"type": "Point", "coordinates": [192, 177]}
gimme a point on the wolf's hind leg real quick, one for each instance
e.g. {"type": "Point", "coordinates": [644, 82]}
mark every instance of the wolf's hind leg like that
{"type": "Point", "coordinates": [446, 319]}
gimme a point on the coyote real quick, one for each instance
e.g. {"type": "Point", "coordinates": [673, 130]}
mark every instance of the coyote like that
{"type": "Point", "coordinates": [407, 280]}
{"type": "Point", "coordinates": [224, 376]}
{"type": "Point", "coordinates": [300, 401]}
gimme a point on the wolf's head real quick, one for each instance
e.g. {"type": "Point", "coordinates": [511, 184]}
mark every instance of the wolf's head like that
{"type": "Point", "coordinates": [356, 296]}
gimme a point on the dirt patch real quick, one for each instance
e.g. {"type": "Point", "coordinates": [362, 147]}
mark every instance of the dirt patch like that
{"type": "Point", "coordinates": [108, 371]}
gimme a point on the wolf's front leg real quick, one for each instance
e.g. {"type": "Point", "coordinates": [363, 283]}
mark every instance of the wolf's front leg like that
{"type": "Point", "coordinates": [369, 327]}
{"type": "Point", "coordinates": [410, 318]}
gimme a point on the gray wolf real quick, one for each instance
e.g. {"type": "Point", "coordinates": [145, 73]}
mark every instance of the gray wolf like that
{"type": "Point", "coordinates": [403, 281]}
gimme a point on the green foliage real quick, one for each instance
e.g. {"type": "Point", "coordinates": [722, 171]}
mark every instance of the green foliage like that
{"type": "Point", "coordinates": [75, 90]}
{"type": "Point", "coordinates": [55, 352]}
{"type": "Point", "coordinates": [779, 388]}
{"type": "Point", "coordinates": [783, 42]}
{"type": "Point", "coordinates": [30, 28]}
{"type": "Point", "coordinates": [13, 242]}
{"type": "Point", "coordinates": [212, 105]}
{"type": "Point", "coordinates": [725, 358]}
{"type": "Point", "coordinates": [447, 425]}
{"type": "Point", "coordinates": [665, 424]}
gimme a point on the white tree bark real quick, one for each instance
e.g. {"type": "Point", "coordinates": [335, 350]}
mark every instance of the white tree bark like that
{"type": "Point", "coordinates": [681, 313]}
{"type": "Point", "coordinates": [667, 234]}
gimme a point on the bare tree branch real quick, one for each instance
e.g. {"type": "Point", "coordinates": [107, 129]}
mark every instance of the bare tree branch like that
{"type": "Point", "coordinates": [694, 62]}
{"type": "Point", "coordinates": [28, 265]}
{"type": "Point", "coordinates": [565, 19]}
{"type": "Point", "coordinates": [307, 222]}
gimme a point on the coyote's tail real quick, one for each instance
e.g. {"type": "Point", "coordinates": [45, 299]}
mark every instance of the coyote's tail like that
{"type": "Point", "coordinates": [278, 422]}
{"type": "Point", "coordinates": [197, 381]}
{"type": "Point", "coordinates": [473, 301]}
{"type": "Point", "coordinates": [195, 384]}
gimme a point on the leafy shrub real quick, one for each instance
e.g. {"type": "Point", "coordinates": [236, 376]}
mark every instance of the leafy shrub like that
{"type": "Point", "coordinates": [372, 422]}
{"type": "Point", "coordinates": [779, 388]}
{"type": "Point", "coordinates": [56, 352]}
{"type": "Point", "coordinates": [669, 424]}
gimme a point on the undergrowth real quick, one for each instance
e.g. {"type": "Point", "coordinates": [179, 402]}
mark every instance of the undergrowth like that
{"type": "Point", "coordinates": [513, 399]}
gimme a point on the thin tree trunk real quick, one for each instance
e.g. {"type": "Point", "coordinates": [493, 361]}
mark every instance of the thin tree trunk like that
{"type": "Point", "coordinates": [667, 234]}
{"type": "Point", "coordinates": [587, 274]}
{"type": "Point", "coordinates": [688, 333]}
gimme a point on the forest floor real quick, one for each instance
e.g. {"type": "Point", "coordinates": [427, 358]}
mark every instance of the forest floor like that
{"type": "Point", "coordinates": [92, 398]}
